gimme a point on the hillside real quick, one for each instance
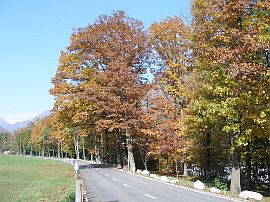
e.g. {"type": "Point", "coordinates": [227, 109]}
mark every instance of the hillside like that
{"type": "Point", "coordinates": [4, 125]}
{"type": "Point", "coordinates": [3, 130]}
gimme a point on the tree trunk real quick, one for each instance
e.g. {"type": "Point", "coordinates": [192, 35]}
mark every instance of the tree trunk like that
{"type": "Point", "coordinates": [91, 157]}
{"type": "Point", "coordinates": [255, 173]}
{"type": "Point", "coordinates": [23, 150]}
{"type": "Point", "coordinates": [248, 181]}
{"type": "Point", "coordinates": [107, 145]}
{"type": "Point", "coordinates": [97, 148]}
{"type": "Point", "coordinates": [43, 147]}
{"type": "Point", "coordinates": [83, 148]}
{"type": "Point", "coordinates": [145, 161]}
{"type": "Point", "coordinates": [58, 149]}
{"type": "Point", "coordinates": [61, 150]}
{"type": "Point", "coordinates": [124, 152]}
{"type": "Point", "coordinates": [207, 153]}
{"type": "Point", "coordinates": [20, 147]}
{"type": "Point", "coordinates": [119, 151]}
{"type": "Point", "coordinates": [176, 168]}
{"type": "Point", "coordinates": [268, 171]}
{"type": "Point", "coordinates": [185, 173]}
{"type": "Point", "coordinates": [143, 155]}
{"type": "Point", "coordinates": [76, 146]}
{"type": "Point", "coordinates": [102, 148]}
{"type": "Point", "coordinates": [159, 165]}
{"type": "Point", "coordinates": [131, 162]}
{"type": "Point", "coordinates": [235, 187]}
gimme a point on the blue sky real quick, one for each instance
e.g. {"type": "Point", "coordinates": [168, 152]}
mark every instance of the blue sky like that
{"type": "Point", "coordinates": [33, 32]}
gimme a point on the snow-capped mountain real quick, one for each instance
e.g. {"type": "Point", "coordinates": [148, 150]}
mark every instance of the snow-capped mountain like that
{"type": "Point", "coordinates": [4, 125]}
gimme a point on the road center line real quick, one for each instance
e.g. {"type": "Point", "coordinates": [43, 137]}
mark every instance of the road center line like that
{"type": "Point", "coordinates": [114, 179]}
{"type": "Point", "coordinates": [126, 185]}
{"type": "Point", "coordinates": [152, 197]}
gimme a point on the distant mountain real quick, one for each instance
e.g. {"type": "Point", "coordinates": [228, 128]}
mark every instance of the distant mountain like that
{"type": "Point", "coordinates": [12, 127]}
{"type": "Point", "coordinates": [3, 130]}
{"type": "Point", "coordinates": [4, 124]}
{"type": "Point", "coordinates": [19, 125]}
{"type": "Point", "coordinates": [43, 115]}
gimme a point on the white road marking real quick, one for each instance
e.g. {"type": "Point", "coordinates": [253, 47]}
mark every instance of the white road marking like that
{"type": "Point", "coordinates": [126, 185]}
{"type": "Point", "coordinates": [185, 188]}
{"type": "Point", "coordinates": [114, 179]}
{"type": "Point", "coordinates": [152, 197]}
{"type": "Point", "coordinates": [106, 174]}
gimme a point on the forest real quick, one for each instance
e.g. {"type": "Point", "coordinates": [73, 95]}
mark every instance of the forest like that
{"type": "Point", "coordinates": [183, 98]}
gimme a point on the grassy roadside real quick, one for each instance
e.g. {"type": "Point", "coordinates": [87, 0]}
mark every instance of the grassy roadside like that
{"type": "Point", "coordinates": [31, 179]}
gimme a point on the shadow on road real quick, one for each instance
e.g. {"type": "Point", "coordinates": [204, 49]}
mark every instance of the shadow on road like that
{"type": "Point", "coordinates": [89, 166]}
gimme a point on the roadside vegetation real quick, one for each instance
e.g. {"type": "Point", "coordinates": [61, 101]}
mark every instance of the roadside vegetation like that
{"type": "Point", "coordinates": [33, 179]}
{"type": "Point", "coordinates": [205, 113]}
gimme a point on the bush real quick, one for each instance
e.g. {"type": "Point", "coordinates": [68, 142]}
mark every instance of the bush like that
{"type": "Point", "coordinates": [221, 184]}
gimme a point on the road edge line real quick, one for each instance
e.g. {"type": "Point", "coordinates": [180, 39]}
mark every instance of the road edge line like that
{"type": "Point", "coordinates": [186, 188]}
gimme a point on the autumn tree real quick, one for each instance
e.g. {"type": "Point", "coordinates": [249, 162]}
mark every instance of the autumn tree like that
{"type": "Point", "coordinates": [40, 135]}
{"type": "Point", "coordinates": [211, 90]}
{"type": "Point", "coordinates": [57, 134]}
{"type": "Point", "coordinates": [231, 50]}
{"type": "Point", "coordinates": [99, 78]}
{"type": "Point", "coordinates": [22, 138]}
{"type": "Point", "coordinates": [172, 56]}
{"type": "Point", "coordinates": [5, 141]}
{"type": "Point", "coordinates": [171, 44]}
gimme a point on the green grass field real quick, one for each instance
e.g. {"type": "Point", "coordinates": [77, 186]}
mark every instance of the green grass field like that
{"type": "Point", "coordinates": [32, 179]}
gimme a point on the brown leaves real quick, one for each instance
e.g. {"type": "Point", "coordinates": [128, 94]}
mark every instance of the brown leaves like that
{"type": "Point", "coordinates": [110, 38]}
{"type": "Point", "coordinates": [99, 79]}
{"type": "Point", "coordinates": [229, 33]}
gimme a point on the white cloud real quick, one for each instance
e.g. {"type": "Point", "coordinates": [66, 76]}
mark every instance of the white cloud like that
{"type": "Point", "coordinates": [14, 118]}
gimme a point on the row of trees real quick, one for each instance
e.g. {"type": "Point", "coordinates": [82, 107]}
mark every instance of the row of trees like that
{"type": "Point", "coordinates": [206, 111]}
{"type": "Point", "coordinates": [5, 142]}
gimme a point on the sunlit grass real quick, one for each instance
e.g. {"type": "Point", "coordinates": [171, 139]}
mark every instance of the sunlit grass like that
{"type": "Point", "coordinates": [32, 179]}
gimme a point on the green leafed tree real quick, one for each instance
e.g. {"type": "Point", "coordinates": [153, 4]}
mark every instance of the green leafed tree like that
{"type": "Point", "coordinates": [230, 46]}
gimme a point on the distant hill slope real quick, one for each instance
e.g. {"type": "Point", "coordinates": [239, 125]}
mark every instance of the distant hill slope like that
{"type": "Point", "coordinates": [12, 127]}
{"type": "Point", "coordinates": [5, 125]}
{"type": "Point", "coordinates": [19, 125]}
{"type": "Point", "coordinates": [3, 130]}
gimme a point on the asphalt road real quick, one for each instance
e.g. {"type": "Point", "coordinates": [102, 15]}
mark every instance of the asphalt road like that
{"type": "Point", "coordinates": [112, 185]}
